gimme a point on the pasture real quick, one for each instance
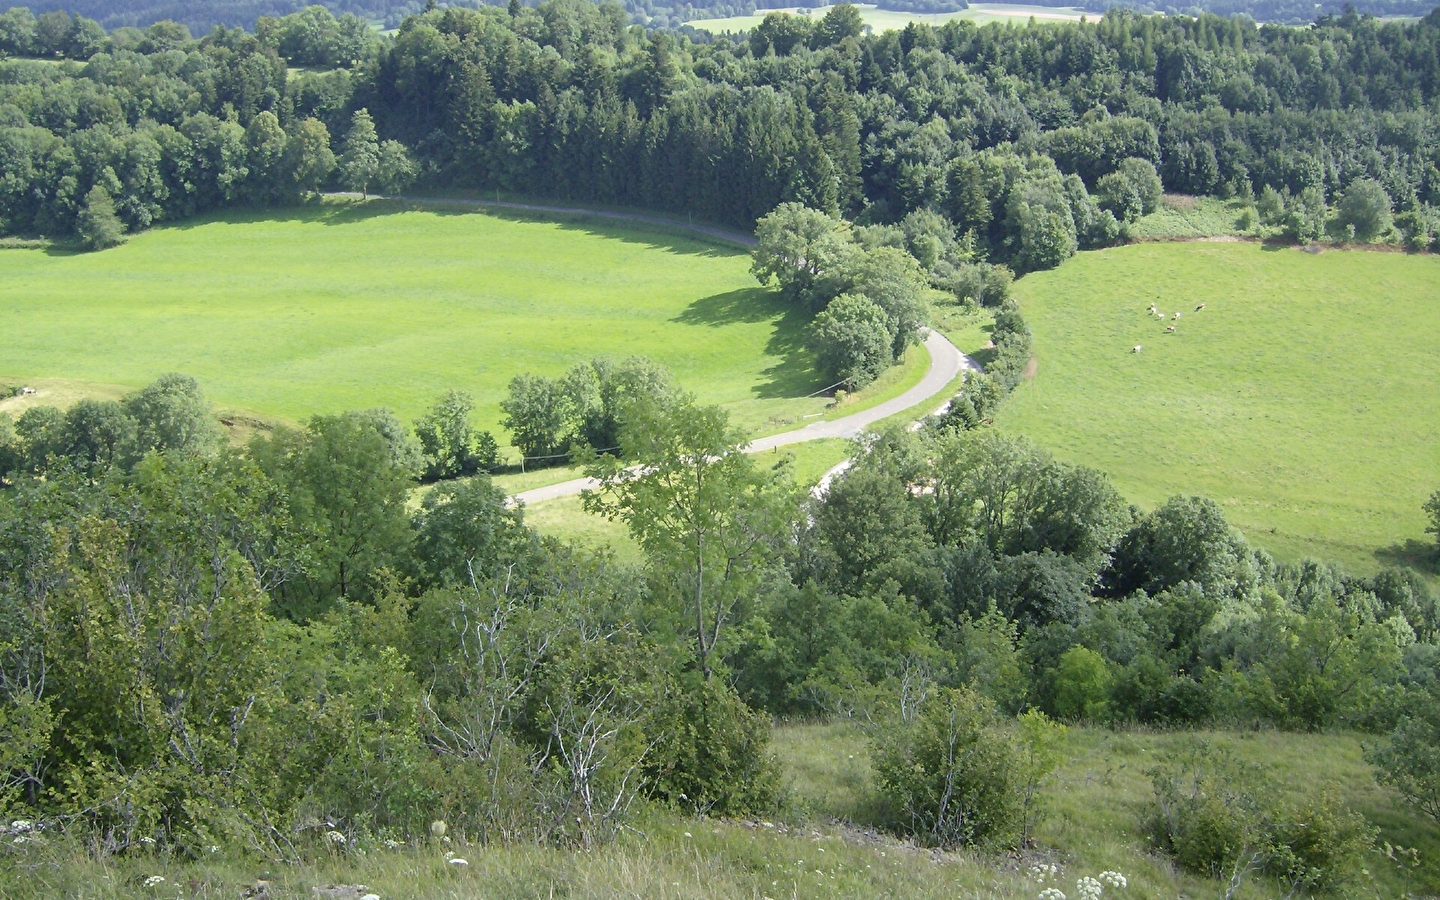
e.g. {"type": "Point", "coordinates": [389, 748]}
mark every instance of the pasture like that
{"type": "Point", "coordinates": [336, 306]}
{"type": "Point", "coordinates": [1302, 397]}
{"type": "Point", "coordinates": [891, 20]}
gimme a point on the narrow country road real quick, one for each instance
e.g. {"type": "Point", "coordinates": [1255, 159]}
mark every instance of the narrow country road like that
{"type": "Point", "coordinates": [946, 362]}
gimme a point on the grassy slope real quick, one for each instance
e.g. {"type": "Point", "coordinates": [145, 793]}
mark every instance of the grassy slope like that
{"type": "Point", "coordinates": [340, 306]}
{"type": "Point", "coordinates": [889, 20]}
{"type": "Point", "coordinates": [1096, 801]}
{"type": "Point", "coordinates": [1302, 398]}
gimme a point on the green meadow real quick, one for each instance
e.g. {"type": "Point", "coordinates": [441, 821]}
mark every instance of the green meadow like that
{"type": "Point", "coordinates": [1302, 397]}
{"type": "Point", "coordinates": [281, 315]}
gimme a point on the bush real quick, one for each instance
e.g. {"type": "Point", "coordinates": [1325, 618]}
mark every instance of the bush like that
{"type": "Point", "coordinates": [98, 225]}
{"type": "Point", "coordinates": [1217, 816]}
{"type": "Point", "coordinates": [450, 444]}
{"type": "Point", "coordinates": [1410, 760]}
{"type": "Point", "coordinates": [1365, 209]}
{"type": "Point", "coordinates": [851, 340]}
{"type": "Point", "coordinates": [1082, 684]}
{"type": "Point", "coordinates": [953, 774]}
{"type": "Point", "coordinates": [714, 754]}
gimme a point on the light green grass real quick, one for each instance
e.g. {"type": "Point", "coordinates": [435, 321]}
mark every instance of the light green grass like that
{"type": "Point", "coordinates": [1097, 799]}
{"type": "Point", "coordinates": [344, 306]}
{"type": "Point", "coordinates": [1302, 398]}
{"type": "Point", "coordinates": [1182, 217]}
{"type": "Point", "coordinates": [822, 846]}
{"type": "Point", "coordinates": [890, 20]}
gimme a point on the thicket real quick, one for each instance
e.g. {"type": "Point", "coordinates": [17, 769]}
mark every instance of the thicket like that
{"type": "Point", "coordinates": [205, 646]}
{"type": "Point", "coordinates": [1031, 142]}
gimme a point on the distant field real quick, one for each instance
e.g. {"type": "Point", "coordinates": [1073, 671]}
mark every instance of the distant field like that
{"type": "Point", "coordinates": [887, 20]}
{"type": "Point", "coordinates": [281, 315]}
{"type": "Point", "coordinates": [1303, 397]}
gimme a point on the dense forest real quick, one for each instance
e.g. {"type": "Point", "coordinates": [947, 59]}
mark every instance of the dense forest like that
{"type": "Point", "coordinates": [1031, 142]}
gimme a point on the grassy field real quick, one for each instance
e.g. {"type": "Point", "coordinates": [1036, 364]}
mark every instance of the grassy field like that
{"type": "Point", "coordinates": [1182, 217]}
{"type": "Point", "coordinates": [1302, 398]}
{"type": "Point", "coordinates": [889, 20]}
{"type": "Point", "coordinates": [822, 846]}
{"type": "Point", "coordinates": [342, 306]}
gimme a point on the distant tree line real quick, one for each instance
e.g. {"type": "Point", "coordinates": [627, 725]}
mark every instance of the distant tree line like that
{"type": "Point", "coordinates": [1278, 12]}
{"type": "Point", "coordinates": [1030, 142]}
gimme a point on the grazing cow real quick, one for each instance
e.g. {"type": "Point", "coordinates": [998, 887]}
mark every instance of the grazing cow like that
{"type": "Point", "coordinates": [1169, 329]}
{"type": "Point", "coordinates": [1135, 349]}
{"type": "Point", "coordinates": [1177, 315]}
{"type": "Point", "coordinates": [1200, 307]}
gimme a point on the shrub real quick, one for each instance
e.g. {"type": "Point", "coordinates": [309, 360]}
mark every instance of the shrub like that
{"type": "Point", "coordinates": [851, 340]}
{"type": "Point", "coordinates": [1218, 816]}
{"type": "Point", "coordinates": [1082, 685]}
{"type": "Point", "coordinates": [1365, 208]}
{"type": "Point", "coordinates": [98, 225]}
{"type": "Point", "coordinates": [713, 754]}
{"type": "Point", "coordinates": [1410, 760]}
{"type": "Point", "coordinates": [953, 774]}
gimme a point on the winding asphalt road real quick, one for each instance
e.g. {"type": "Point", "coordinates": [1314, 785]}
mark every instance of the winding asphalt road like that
{"type": "Point", "coordinates": [946, 361]}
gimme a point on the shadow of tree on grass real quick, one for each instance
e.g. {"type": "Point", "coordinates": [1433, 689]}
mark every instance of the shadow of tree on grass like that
{"type": "Point", "coordinates": [351, 213]}
{"type": "Point", "coordinates": [1422, 556]}
{"type": "Point", "coordinates": [794, 375]}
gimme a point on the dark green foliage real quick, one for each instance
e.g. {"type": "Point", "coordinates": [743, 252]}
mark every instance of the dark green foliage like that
{"type": "Point", "coordinates": [98, 435]}
{"type": "Point", "coordinates": [852, 341]}
{"type": "Point", "coordinates": [1363, 211]}
{"type": "Point", "coordinates": [549, 419]}
{"type": "Point", "coordinates": [97, 224]}
{"type": "Point", "coordinates": [464, 532]}
{"type": "Point", "coordinates": [1219, 817]}
{"type": "Point", "coordinates": [1432, 508]}
{"type": "Point", "coordinates": [954, 775]}
{"type": "Point", "coordinates": [1185, 540]}
{"type": "Point", "coordinates": [450, 445]}
{"type": "Point", "coordinates": [173, 414]}
{"type": "Point", "coordinates": [714, 755]}
{"type": "Point", "coordinates": [346, 490]}
{"type": "Point", "coordinates": [536, 415]}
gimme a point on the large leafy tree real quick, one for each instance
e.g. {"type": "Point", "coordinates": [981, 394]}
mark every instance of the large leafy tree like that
{"type": "Point", "coordinates": [708, 519]}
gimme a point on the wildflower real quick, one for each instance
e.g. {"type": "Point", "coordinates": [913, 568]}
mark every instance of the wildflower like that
{"type": "Point", "coordinates": [437, 828]}
{"type": "Point", "coordinates": [687, 834]}
{"type": "Point", "coordinates": [22, 826]}
{"type": "Point", "coordinates": [1114, 879]}
{"type": "Point", "coordinates": [214, 849]}
{"type": "Point", "coordinates": [444, 838]}
{"type": "Point", "coordinates": [335, 838]}
{"type": "Point", "coordinates": [1052, 894]}
{"type": "Point", "coordinates": [19, 839]}
{"type": "Point", "coordinates": [149, 841]}
{"type": "Point", "coordinates": [154, 881]}
{"type": "Point", "coordinates": [457, 862]}
{"type": "Point", "coordinates": [392, 845]}
{"type": "Point", "coordinates": [1041, 871]}
{"type": "Point", "coordinates": [1088, 888]}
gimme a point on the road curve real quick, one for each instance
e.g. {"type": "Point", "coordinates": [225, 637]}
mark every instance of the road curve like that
{"type": "Point", "coordinates": [946, 362]}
